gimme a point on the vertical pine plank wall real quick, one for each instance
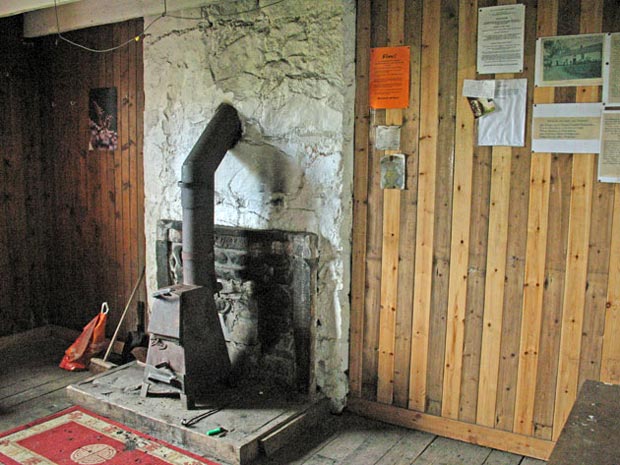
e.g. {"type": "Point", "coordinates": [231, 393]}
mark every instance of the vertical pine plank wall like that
{"type": "Point", "coordinates": [96, 233]}
{"type": "Point", "coordinates": [24, 190]}
{"type": "Point", "coordinates": [486, 292]}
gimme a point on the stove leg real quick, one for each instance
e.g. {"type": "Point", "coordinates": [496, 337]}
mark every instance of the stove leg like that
{"type": "Point", "coordinates": [189, 401]}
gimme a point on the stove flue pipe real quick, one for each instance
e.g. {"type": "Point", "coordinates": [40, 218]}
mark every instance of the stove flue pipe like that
{"type": "Point", "coordinates": [198, 195]}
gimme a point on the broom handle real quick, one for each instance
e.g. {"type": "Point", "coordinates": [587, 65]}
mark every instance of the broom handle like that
{"type": "Point", "coordinates": [120, 322]}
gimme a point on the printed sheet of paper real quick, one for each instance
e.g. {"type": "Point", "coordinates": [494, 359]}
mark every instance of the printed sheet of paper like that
{"type": "Point", "coordinates": [500, 39]}
{"type": "Point", "coordinates": [387, 138]}
{"type": "Point", "coordinates": [389, 77]}
{"type": "Point", "coordinates": [506, 125]}
{"type": "Point", "coordinates": [609, 159]}
{"type": "Point", "coordinates": [484, 88]}
{"type": "Point", "coordinates": [611, 71]}
{"type": "Point", "coordinates": [567, 127]}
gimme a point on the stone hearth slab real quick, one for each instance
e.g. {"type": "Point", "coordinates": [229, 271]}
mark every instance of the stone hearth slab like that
{"type": "Point", "coordinates": [257, 419]}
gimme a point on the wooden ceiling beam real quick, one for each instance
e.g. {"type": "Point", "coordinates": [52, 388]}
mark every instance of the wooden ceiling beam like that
{"type": "Point", "coordinates": [88, 13]}
{"type": "Point", "coordinates": [16, 7]}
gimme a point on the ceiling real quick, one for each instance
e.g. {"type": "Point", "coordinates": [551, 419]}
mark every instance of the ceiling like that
{"type": "Point", "coordinates": [41, 19]}
{"type": "Point", "coordinates": [16, 7]}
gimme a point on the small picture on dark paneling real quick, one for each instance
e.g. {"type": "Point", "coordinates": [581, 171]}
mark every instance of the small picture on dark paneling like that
{"type": "Point", "coordinates": [102, 122]}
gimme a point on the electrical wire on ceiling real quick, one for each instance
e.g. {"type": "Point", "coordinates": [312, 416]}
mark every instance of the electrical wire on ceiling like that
{"type": "Point", "coordinates": [140, 36]}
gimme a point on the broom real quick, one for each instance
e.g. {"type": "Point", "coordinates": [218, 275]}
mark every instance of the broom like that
{"type": "Point", "coordinates": [98, 365]}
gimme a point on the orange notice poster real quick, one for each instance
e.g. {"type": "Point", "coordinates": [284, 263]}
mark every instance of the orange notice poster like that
{"type": "Point", "coordinates": [389, 77]}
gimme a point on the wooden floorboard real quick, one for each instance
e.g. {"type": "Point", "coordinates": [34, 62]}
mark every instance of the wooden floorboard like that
{"type": "Point", "coordinates": [530, 461]}
{"type": "Point", "coordinates": [444, 450]}
{"type": "Point", "coordinates": [33, 387]}
{"type": "Point", "coordinates": [498, 457]}
{"type": "Point", "coordinates": [408, 449]}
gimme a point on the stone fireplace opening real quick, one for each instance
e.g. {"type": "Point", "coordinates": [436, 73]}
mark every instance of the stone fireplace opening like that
{"type": "Point", "coordinates": [267, 300]}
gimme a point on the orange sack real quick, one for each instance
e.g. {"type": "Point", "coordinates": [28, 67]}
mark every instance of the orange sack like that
{"type": "Point", "coordinates": [88, 344]}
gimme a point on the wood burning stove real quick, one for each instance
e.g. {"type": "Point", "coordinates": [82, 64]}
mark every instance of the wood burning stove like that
{"type": "Point", "coordinates": [187, 353]}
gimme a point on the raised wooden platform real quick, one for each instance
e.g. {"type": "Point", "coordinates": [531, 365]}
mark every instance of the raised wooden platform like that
{"type": "Point", "coordinates": [592, 432]}
{"type": "Point", "coordinates": [257, 419]}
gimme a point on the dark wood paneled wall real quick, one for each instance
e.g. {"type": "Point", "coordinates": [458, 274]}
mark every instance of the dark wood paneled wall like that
{"type": "Point", "coordinates": [96, 206]}
{"type": "Point", "coordinates": [24, 191]}
{"type": "Point", "coordinates": [485, 293]}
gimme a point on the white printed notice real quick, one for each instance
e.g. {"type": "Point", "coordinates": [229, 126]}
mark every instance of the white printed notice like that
{"type": "Point", "coordinates": [611, 71]}
{"type": "Point", "coordinates": [506, 125]}
{"type": "Point", "coordinates": [609, 159]}
{"type": "Point", "coordinates": [477, 89]}
{"type": "Point", "coordinates": [501, 31]}
{"type": "Point", "coordinates": [567, 127]}
{"type": "Point", "coordinates": [387, 138]}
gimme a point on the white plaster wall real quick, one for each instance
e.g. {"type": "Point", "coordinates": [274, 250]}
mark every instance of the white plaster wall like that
{"type": "Point", "coordinates": [289, 71]}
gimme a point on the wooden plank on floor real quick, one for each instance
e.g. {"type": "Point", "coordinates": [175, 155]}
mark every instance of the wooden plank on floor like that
{"type": "Point", "coordinates": [319, 460]}
{"type": "Point", "coordinates": [462, 195]}
{"type": "Point", "coordinates": [531, 461]}
{"type": "Point", "coordinates": [19, 339]}
{"type": "Point", "coordinates": [422, 282]}
{"type": "Point", "coordinates": [449, 428]}
{"type": "Point", "coordinates": [356, 435]}
{"type": "Point", "coordinates": [360, 198]}
{"type": "Point", "coordinates": [343, 444]}
{"type": "Point", "coordinates": [24, 380]}
{"type": "Point", "coordinates": [289, 432]}
{"type": "Point", "coordinates": [374, 446]}
{"type": "Point", "coordinates": [498, 457]}
{"type": "Point", "coordinates": [35, 392]}
{"type": "Point", "coordinates": [446, 451]}
{"type": "Point", "coordinates": [610, 357]}
{"type": "Point", "coordinates": [408, 449]}
{"type": "Point", "coordinates": [40, 407]}
{"type": "Point", "coordinates": [306, 446]}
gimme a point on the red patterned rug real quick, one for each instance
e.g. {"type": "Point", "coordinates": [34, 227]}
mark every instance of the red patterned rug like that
{"type": "Point", "coordinates": [77, 436]}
